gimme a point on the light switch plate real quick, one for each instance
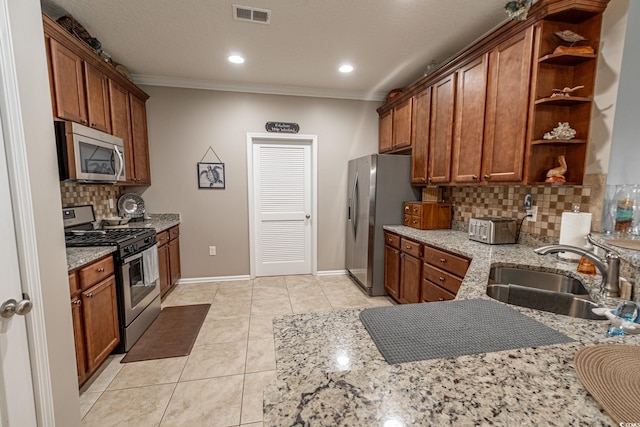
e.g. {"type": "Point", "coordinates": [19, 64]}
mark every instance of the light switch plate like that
{"type": "Point", "coordinates": [212, 250]}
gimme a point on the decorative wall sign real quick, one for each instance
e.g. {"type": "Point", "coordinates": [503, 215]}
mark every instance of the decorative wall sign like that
{"type": "Point", "coordinates": [211, 175]}
{"type": "Point", "coordinates": [282, 127]}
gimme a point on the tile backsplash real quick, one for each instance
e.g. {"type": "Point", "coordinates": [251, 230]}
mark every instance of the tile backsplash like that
{"type": "Point", "coordinates": [74, 194]}
{"type": "Point", "coordinates": [506, 201]}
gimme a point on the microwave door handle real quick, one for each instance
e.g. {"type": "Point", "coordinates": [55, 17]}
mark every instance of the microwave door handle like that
{"type": "Point", "coordinates": [121, 157]}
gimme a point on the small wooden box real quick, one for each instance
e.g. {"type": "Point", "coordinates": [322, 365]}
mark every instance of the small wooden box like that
{"type": "Point", "coordinates": [427, 216]}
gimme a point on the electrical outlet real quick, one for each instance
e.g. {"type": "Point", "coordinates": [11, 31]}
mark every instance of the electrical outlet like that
{"type": "Point", "coordinates": [212, 250]}
{"type": "Point", "coordinates": [111, 204]}
{"type": "Point", "coordinates": [534, 214]}
{"type": "Point", "coordinates": [528, 202]}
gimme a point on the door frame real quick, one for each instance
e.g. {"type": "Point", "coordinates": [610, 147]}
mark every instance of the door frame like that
{"type": "Point", "coordinates": [22, 206]}
{"type": "Point", "coordinates": [278, 138]}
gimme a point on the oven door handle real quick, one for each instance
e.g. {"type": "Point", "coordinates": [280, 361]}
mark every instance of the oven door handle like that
{"type": "Point", "coordinates": [132, 258]}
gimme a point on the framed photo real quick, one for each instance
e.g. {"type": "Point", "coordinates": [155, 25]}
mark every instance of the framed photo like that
{"type": "Point", "coordinates": [211, 175]}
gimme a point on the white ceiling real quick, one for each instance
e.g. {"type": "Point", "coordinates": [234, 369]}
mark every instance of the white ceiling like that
{"type": "Point", "coordinates": [185, 43]}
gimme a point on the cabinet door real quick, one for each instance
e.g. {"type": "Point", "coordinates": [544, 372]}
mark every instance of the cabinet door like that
{"type": "Point", "coordinates": [410, 279]}
{"type": "Point", "coordinates": [392, 271]}
{"type": "Point", "coordinates": [441, 132]}
{"type": "Point", "coordinates": [174, 261]}
{"type": "Point", "coordinates": [385, 136]}
{"type": "Point", "coordinates": [121, 122]}
{"type": "Point", "coordinates": [97, 91]}
{"type": "Point", "coordinates": [100, 315]}
{"type": "Point", "coordinates": [163, 268]}
{"type": "Point", "coordinates": [420, 130]}
{"type": "Point", "coordinates": [78, 336]}
{"type": "Point", "coordinates": [68, 84]}
{"type": "Point", "coordinates": [401, 130]}
{"type": "Point", "coordinates": [507, 106]}
{"type": "Point", "coordinates": [469, 126]}
{"type": "Point", "coordinates": [142, 174]}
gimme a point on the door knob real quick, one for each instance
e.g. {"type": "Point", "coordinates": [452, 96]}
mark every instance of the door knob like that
{"type": "Point", "coordinates": [11, 307]}
{"type": "Point", "coordinates": [307, 216]}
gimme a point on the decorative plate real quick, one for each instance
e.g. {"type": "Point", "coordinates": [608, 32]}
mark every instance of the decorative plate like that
{"type": "Point", "coordinates": [131, 205]}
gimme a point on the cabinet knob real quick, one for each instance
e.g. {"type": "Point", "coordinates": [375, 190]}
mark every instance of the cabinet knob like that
{"type": "Point", "coordinates": [422, 179]}
{"type": "Point", "coordinates": [77, 302]}
{"type": "Point", "coordinates": [474, 177]}
{"type": "Point", "coordinates": [101, 270]}
{"type": "Point", "coordinates": [90, 295]}
{"type": "Point", "coordinates": [430, 179]}
{"type": "Point", "coordinates": [94, 125]}
{"type": "Point", "coordinates": [442, 260]}
{"type": "Point", "coordinates": [441, 278]}
{"type": "Point", "coordinates": [486, 177]}
{"type": "Point", "coordinates": [408, 247]}
{"type": "Point", "coordinates": [440, 299]}
{"type": "Point", "coordinates": [84, 122]}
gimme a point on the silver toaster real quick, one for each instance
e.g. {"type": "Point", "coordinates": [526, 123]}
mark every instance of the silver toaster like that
{"type": "Point", "coordinates": [492, 230]}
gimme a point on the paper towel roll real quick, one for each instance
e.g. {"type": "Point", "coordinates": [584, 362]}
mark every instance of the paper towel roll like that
{"type": "Point", "coordinates": [573, 229]}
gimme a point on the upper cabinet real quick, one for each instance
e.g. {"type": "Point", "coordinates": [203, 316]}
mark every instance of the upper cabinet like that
{"type": "Point", "coordinates": [482, 117]}
{"type": "Point", "coordinates": [87, 90]}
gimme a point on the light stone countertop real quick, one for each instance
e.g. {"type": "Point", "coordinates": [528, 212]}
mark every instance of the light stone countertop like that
{"type": "Point", "coordinates": [330, 372]}
{"type": "Point", "coordinates": [77, 257]}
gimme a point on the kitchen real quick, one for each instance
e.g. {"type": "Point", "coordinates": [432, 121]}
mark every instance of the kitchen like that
{"type": "Point", "coordinates": [194, 103]}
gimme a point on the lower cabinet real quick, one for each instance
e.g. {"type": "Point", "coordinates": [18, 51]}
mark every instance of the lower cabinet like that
{"type": "Point", "coordinates": [169, 259]}
{"type": "Point", "coordinates": [415, 273]}
{"type": "Point", "coordinates": [94, 311]}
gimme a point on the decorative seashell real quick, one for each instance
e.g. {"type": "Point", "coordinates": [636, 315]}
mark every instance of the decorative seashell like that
{"type": "Point", "coordinates": [562, 131]}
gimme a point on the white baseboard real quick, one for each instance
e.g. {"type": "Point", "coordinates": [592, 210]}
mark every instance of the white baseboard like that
{"type": "Point", "coordinates": [246, 277]}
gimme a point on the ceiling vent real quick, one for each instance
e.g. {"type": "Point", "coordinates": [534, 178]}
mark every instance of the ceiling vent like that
{"type": "Point", "coordinates": [251, 14]}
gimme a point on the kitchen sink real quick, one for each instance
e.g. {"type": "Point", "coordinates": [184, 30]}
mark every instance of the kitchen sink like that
{"type": "Point", "coordinates": [552, 292]}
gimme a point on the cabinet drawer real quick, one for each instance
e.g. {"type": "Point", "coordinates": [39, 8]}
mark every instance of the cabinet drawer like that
{"type": "Point", "coordinates": [416, 209]}
{"type": "Point", "coordinates": [174, 232]}
{"type": "Point", "coordinates": [162, 238]}
{"type": "Point", "coordinates": [432, 293]}
{"type": "Point", "coordinates": [446, 261]}
{"type": "Point", "coordinates": [410, 247]}
{"type": "Point", "coordinates": [96, 272]}
{"type": "Point", "coordinates": [443, 279]}
{"type": "Point", "coordinates": [392, 240]}
{"type": "Point", "coordinates": [407, 220]}
{"type": "Point", "coordinates": [74, 285]}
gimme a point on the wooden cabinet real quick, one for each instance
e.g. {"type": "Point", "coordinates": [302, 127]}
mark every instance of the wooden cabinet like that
{"type": "Point", "coordinates": [385, 132]}
{"type": "Point", "coordinates": [507, 107]}
{"type": "Point", "coordinates": [97, 92]}
{"type": "Point", "coordinates": [169, 259]}
{"type": "Point", "coordinates": [392, 265]}
{"type": "Point", "coordinates": [469, 125]}
{"type": "Point", "coordinates": [442, 274]}
{"type": "Point", "coordinates": [410, 269]}
{"type": "Point", "coordinates": [87, 90]}
{"type": "Point", "coordinates": [67, 83]}
{"type": "Point", "coordinates": [427, 216]}
{"type": "Point", "coordinates": [94, 312]}
{"type": "Point", "coordinates": [420, 130]}
{"type": "Point", "coordinates": [141, 171]}
{"type": "Point", "coordinates": [441, 129]}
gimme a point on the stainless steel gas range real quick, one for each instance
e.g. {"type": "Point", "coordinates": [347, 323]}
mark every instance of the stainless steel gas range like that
{"type": "Point", "coordinates": [136, 262]}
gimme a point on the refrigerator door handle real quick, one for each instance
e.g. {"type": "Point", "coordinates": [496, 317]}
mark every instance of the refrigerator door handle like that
{"type": "Point", "coordinates": [354, 198]}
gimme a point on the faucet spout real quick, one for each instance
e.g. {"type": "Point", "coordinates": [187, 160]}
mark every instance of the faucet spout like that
{"type": "Point", "coordinates": [609, 269]}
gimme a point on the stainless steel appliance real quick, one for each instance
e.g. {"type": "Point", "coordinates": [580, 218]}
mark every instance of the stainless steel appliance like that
{"type": "Point", "coordinates": [136, 262]}
{"type": "Point", "coordinates": [88, 155]}
{"type": "Point", "coordinates": [492, 230]}
{"type": "Point", "coordinates": [378, 185]}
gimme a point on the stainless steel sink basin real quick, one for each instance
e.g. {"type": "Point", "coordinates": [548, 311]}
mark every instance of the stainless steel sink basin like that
{"type": "Point", "coordinates": [552, 292]}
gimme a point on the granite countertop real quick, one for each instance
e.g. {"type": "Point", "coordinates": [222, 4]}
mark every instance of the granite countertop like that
{"type": "Point", "coordinates": [77, 257]}
{"type": "Point", "coordinates": [330, 373]}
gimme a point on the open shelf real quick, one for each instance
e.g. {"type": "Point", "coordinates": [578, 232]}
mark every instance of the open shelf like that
{"type": "Point", "coordinates": [563, 100]}
{"type": "Point", "coordinates": [558, 141]}
{"type": "Point", "coordinates": [567, 58]}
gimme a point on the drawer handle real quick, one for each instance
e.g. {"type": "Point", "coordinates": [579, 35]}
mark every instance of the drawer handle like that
{"type": "Point", "coordinates": [90, 295]}
{"type": "Point", "coordinates": [408, 247]}
{"type": "Point", "coordinates": [441, 278]}
{"type": "Point", "coordinates": [442, 260]}
{"type": "Point", "coordinates": [101, 270]}
{"type": "Point", "coordinates": [440, 299]}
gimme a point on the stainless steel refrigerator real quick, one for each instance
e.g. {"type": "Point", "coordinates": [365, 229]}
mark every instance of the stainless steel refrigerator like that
{"type": "Point", "coordinates": [378, 185]}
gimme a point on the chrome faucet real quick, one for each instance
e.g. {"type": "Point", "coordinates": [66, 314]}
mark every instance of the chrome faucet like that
{"type": "Point", "coordinates": [609, 267]}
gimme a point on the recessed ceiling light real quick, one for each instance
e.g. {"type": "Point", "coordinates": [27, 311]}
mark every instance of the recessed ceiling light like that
{"type": "Point", "coordinates": [345, 68]}
{"type": "Point", "coordinates": [236, 59]}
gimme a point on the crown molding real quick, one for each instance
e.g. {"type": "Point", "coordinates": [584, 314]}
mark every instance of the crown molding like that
{"type": "Point", "coordinates": [142, 79]}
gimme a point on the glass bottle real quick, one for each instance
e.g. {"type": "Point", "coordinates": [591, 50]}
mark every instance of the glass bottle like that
{"type": "Point", "coordinates": [624, 209]}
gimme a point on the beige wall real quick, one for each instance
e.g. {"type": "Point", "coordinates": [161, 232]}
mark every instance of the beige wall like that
{"type": "Point", "coordinates": [183, 123]}
{"type": "Point", "coordinates": [33, 81]}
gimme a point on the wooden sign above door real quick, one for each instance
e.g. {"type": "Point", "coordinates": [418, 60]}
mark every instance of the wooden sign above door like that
{"type": "Point", "coordinates": [282, 127]}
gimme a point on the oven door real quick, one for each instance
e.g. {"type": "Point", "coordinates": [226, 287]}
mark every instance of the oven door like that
{"type": "Point", "coordinates": [140, 283]}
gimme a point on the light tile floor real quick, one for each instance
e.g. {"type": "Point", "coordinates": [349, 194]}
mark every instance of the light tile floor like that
{"type": "Point", "coordinates": [221, 382]}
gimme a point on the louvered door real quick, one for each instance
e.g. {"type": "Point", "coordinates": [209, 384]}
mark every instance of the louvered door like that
{"type": "Point", "coordinates": [282, 200]}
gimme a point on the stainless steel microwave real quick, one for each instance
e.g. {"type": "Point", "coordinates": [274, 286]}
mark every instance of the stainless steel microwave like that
{"type": "Point", "coordinates": [88, 155]}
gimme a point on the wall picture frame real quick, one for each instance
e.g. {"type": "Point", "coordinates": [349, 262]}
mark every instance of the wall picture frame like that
{"type": "Point", "coordinates": [211, 175]}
